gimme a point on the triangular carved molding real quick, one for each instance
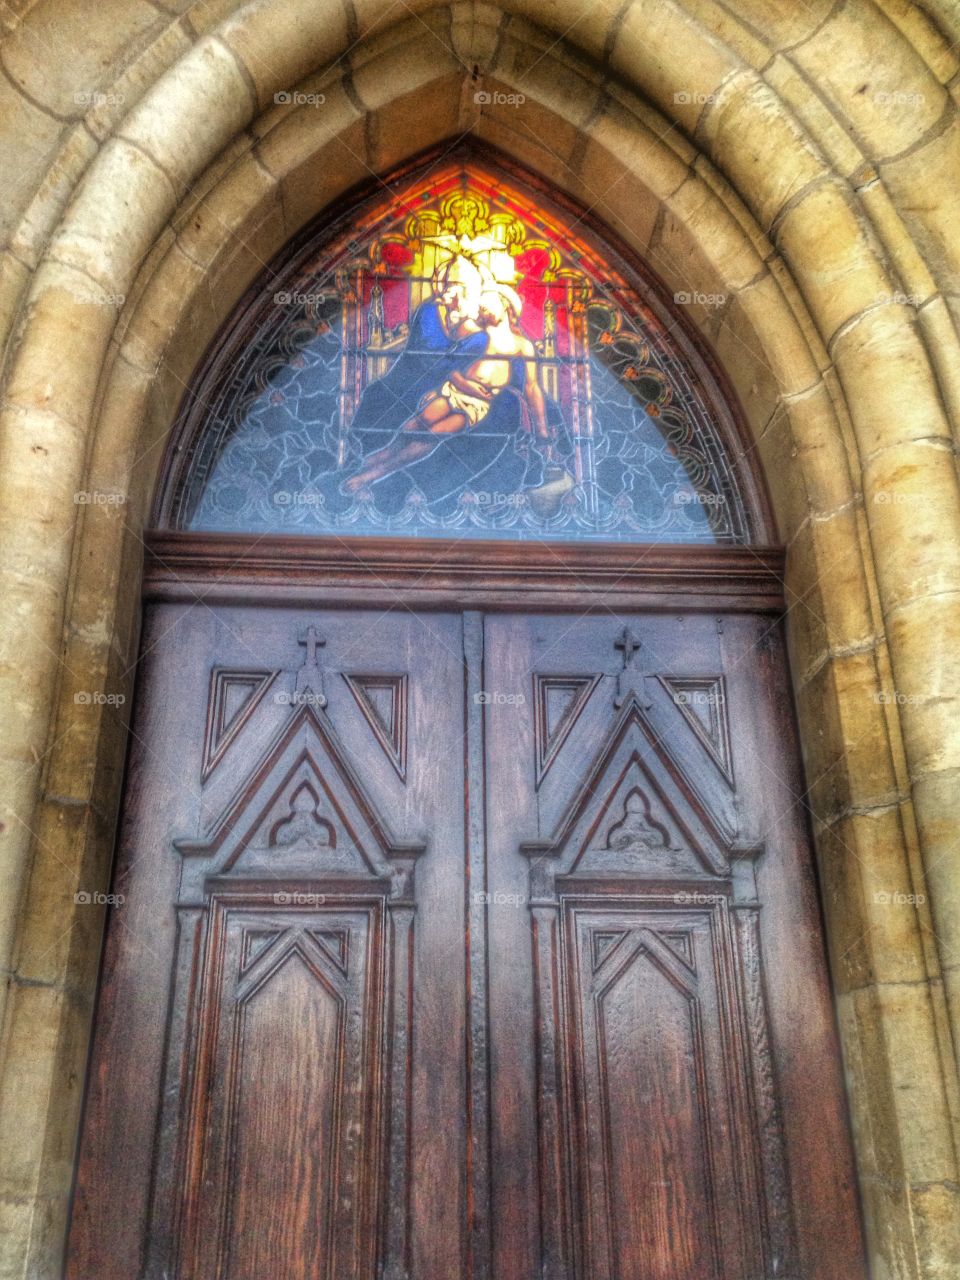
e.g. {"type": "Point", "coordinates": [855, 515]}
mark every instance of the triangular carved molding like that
{"type": "Point", "coordinates": [702, 702]}
{"type": "Point", "coordinates": [233, 698]}
{"type": "Point", "coordinates": [637, 813]}
{"type": "Point", "coordinates": [558, 701]}
{"type": "Point", "coordinates": [302, 812]}
{"type": "Point", "coordinates": [383, 701]}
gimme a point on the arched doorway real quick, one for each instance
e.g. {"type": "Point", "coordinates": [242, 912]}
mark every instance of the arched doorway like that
{"type": "Point", "coordinates": [479, 928]}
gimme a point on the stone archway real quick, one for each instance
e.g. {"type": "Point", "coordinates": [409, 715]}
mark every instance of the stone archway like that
{"type": "Point", "coordinates": [695, 131]}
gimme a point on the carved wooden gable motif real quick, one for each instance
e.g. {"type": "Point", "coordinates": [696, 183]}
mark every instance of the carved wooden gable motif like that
{"type": "Point", "coordinates": [655, 1065]}
{"type": "Point", "coordinates": [296, 911]}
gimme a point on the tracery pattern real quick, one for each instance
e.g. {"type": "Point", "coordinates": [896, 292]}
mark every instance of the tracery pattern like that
{"type": "Point", "coordinates": [457, 361]}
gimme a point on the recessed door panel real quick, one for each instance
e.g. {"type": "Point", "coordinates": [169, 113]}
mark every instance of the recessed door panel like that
{"type": "Point", "coordinates": [655, 1134]}
{"type": "Point", "coordinates": [284, 1140]}
{"type": "Point", "coordinates": [463, 946]}
{"type": "Point", "coordinates": [658, 991]}
{"type": "Point", "coordinates": [282, 1015]}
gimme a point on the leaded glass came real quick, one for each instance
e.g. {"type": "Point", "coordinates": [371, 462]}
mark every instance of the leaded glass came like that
{"type": "Point", "coordinates": [456, 360]}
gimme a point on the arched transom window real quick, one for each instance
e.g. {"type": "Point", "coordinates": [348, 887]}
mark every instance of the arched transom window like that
{"type": "Point", "coordinates": [456, 357]}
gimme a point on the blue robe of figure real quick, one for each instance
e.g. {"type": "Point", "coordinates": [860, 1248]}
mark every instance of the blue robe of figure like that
{"type": "Point", "coordinates": [499, 455]}
{"type": "Point", "coordinates": [427, 360]}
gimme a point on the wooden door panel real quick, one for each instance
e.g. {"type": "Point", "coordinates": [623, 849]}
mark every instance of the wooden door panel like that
{"type": "Point", "coordinates": [655, 1138]}
{"type": "Point", "coordinates": [283, 1018]}
{"type": "Point", "coordinates": [285, 1138]}
{"type": "Point", "coordinates": [463, 946]}
{"type": "Point", "coordinates": [646, 854]}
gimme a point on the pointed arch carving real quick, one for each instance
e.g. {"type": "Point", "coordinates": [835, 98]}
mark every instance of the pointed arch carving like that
{"type": "Point", "coordinates": [298, 894]}
{"type": "Point", "coordinates": [645, 895]}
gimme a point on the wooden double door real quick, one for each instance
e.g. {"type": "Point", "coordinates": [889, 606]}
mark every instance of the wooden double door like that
{"type": "Point", "coordinates": [463, 946]}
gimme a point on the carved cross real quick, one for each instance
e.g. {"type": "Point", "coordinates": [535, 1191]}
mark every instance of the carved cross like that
{"type": "Point", "coordinates": [312, 639]}
{"type": "Point", "coordinates": [629, 643]}
{"type": "Point", "coordinates": [629, 680]}
{"type": "Point", "coordinates": [309, 686]}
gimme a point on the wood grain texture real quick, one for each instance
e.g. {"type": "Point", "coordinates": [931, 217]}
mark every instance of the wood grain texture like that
{"type": "Point", "coordinates": [294, 1034]}
{"type": "Point", "coordinates": [281, 1172]}
{"type": "Point", "coordinates": [475, 1016]}
{"type": "Point", "coordinates": [461, 574]}
{"type": "Point", "coordinates": [666, 1119]}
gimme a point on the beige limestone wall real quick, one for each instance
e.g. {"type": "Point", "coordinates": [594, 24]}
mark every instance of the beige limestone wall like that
{"type": "Point", "coordinates": [799, 161]}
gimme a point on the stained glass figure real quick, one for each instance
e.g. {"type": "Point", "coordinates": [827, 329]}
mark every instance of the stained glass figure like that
{"type": "Point", "coordinates": [457, 360]}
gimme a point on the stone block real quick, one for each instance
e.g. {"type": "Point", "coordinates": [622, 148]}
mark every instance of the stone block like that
{"type": "Point", "coordinates": [925, 650]}
{"type": "Point", "coordinates": [476, 30]}
{"type": "Point", "coordinates": [14, 279]}
{"type": "Point", "coordinates": [912, 502]}
{"type": "Point", "coordinates": [879, 84]}
{"type": "Point", "coordinates": [206, 84]}
{"type": "Point", "coordinates": [833, 257]}
{"type": "Point", "coordinates": [616, 192]}
{"type": "Point", "coordinates": [61, 936]}
{"type": "Point", "coordinates": [794, 87]}
{"type": "Point", "coordinates": [52, 195]}
{"type": "Point", "coordinates": [67, 312]}
{"type": "Point", "coordinates": [781, 341]}
{"type": "Point", "coordinates": [931, 221]}
{"type": "Point", "coordinates": [874, 908]}
{"type": "Point", "coordinates": [401, 61]}
{"type": "Point", "coordinates": [123, 204]}
{"type": "Point", "coordinates": [822, 453]}
{"type": "Point", "coordinates": [39, 1025]}
{"type": "Point", "coordinates": [782, 25]}
{"type": "Point", "coordinates": [67, 53]}
{"type": "Point", "coordinates": [883, 351]}
{"type": "Point", "coordinates": [412, 123]}
{"type": "Point", "coordinates": [662, 47]}
{"type": "Point", "coordinates": [591, 28]}
{"type": "Point", "coordinates": [280, 42]}
{"type": "Point", "coordinates": [23, 167]}
{"type": "Point", "coordinates": [741, 348]}
{"type": "Point", "coordinates": [242, 198]}
{"type": "Point", "coordinates": [162, 305]}
{"type": "Point", "coordinates": [760, 145]}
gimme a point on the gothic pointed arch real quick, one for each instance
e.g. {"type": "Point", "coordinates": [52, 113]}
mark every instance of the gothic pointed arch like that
{"type": "Point", "coordinates": [458, 351]}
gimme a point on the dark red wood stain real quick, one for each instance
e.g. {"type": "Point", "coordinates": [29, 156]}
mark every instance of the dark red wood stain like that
{"type": "Point", "coordinates": [515, 973]}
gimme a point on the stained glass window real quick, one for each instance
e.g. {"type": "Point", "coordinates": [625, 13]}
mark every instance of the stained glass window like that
{"type": "Point", "coordinates": [457, 359]}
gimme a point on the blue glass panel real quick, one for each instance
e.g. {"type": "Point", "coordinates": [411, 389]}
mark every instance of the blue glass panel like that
{"type": "Point", "coordinates": [458, 362]}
